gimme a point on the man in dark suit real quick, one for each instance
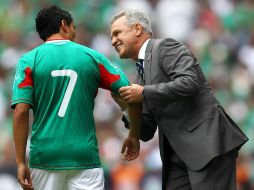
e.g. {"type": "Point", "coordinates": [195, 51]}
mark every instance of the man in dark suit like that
{"type": "Point", "coordinates": [199, 142]}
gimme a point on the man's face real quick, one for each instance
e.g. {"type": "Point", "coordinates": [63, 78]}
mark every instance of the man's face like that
{"type": "Point", "coordinates": [123, 38]}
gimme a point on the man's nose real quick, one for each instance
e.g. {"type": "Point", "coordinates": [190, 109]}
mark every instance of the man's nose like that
{"type": "Point", "coordinates": [113, 41]}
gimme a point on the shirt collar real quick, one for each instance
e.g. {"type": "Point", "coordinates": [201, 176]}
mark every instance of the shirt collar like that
{"type": "Point", "coordinates": [142, 51]}
{"type": "Point", "coordinates": [57, 40]}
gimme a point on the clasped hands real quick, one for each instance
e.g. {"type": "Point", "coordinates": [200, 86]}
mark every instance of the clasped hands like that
{"type": "Point", "coordinates": [128, 94]}
{"type": "Point", "coordinates": [132, 93]}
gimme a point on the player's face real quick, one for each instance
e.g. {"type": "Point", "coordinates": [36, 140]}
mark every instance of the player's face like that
{"type": "Point", "coordinates": [123, 38]}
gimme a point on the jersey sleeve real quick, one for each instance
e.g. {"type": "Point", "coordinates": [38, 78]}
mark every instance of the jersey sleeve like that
{"type": "Point", "coordinates": [111, 77]}
{"type": "Point", "coordinates": [22, 90]}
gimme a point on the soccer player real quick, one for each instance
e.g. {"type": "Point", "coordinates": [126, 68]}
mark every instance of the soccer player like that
{"type": "Point", "coordinates": [59, 81]}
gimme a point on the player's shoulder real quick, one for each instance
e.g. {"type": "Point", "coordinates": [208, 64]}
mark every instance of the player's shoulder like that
{"type": "Point", "coordinates": [86, 49]}
{"type": "Point", "coordinates": [28, 57]}
{"type": "Point", "coordinates": [33, 51]}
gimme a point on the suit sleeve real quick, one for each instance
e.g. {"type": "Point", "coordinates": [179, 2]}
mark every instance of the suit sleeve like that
{"type": "Point", "coordinates": [148, 126]}
{"type": "Point", "coordinates": [111, 77]}
{"type": "Point", "coordinates": [179, 65]}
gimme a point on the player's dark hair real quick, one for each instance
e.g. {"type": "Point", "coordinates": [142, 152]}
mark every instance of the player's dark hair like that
{"type": "Point", "coordinates": [48, 21]}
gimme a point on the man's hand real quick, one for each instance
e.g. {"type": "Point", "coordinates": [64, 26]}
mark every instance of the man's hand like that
{"type": "Point", "coordinates": [132, 94]}
{"type": "Point", "coordinates": [130, 148]}
{"type": "Point", "coordinates": [24, 177]}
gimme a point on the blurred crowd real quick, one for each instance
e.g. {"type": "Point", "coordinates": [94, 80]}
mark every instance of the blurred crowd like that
{"type": "Point", "coordinates": [219, 32]}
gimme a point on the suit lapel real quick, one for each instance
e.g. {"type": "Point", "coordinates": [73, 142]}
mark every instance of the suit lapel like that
{"type": "Point", "coordinates": [148, 60]}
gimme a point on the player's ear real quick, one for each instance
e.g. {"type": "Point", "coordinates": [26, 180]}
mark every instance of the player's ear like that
{"type": "Point", "coordinates": [64, 26]}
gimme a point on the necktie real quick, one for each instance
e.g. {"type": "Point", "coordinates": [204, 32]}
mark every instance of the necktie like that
{"type": "Point", "coordinates": [140, 68]}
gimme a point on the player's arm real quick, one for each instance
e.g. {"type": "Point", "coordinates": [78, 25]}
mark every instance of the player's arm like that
{"type": "Point", "coordinates": [131, 145]}
{"type": "Point", "coordinates": [20, 132]}
{"type": "Point", "coordinates": [22, 100]}
{"type": "Point", "coordinates": [132, 121]}
{"type": "Point", "coordinates": [112, 78]}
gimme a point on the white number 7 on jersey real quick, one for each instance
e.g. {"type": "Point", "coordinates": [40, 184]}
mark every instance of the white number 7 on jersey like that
{"type": "Point", "coordinates": [67, 96]}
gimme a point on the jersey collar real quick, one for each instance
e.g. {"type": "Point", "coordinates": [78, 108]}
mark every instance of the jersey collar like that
{"type": "Point", "coordinates": [57, 40]}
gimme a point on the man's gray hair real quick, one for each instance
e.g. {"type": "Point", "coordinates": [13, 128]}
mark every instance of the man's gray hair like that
{"type": "Point", "coordinates": [134, 17]}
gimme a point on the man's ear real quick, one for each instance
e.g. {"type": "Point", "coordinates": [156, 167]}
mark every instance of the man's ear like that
{"type": "Point", "coordinates": [138, 29]}
{"type": "Point", "coordinates": [64, 26]}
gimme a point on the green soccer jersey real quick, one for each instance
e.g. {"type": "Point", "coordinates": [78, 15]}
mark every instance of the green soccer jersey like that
{"type": "Point", "coordinates": [60, 79]}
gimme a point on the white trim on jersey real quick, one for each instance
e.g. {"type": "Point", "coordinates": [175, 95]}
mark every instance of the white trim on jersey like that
{"type": "Point", "coordinates": [56, 41]}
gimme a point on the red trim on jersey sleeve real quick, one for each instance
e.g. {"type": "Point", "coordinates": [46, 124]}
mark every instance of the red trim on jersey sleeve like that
{"type": "Point", "coordinates": [28, 81]}
{"type": "Point", "coordinates": [107, 78]}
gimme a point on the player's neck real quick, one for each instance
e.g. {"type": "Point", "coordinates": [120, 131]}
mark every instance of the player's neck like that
{"type": "Point", "coordinates": [56, 37]}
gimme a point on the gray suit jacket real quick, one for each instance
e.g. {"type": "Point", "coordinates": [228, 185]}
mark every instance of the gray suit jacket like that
{"type": "Point", "coordinates": [179, 100]}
